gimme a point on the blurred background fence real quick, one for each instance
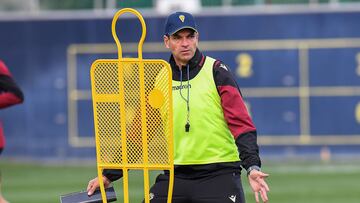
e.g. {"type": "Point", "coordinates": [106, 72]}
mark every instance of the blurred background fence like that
{"type": "Point", "coordinates": [41, 5]}
{"type": "Point", "coordinates": [296, 61]}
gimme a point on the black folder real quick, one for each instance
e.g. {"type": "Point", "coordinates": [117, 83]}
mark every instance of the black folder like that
{"type": "Point", "coordinates": [82, 196]}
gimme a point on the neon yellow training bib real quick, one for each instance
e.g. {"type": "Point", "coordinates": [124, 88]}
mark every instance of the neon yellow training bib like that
{"type": "Point", "coordinates": [209, 139]}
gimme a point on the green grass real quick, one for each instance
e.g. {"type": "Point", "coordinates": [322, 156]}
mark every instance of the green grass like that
{"type": "Point", "coordinates": [291, 182]}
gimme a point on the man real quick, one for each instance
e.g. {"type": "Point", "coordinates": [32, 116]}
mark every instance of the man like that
{"type": "Point", "coordinates": [10, 94]}
{"type": "Point", "coordinates": [212, 128]}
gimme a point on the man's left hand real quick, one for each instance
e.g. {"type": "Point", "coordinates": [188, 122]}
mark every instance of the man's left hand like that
{"type": "Point", "coordinates": [258, 185]}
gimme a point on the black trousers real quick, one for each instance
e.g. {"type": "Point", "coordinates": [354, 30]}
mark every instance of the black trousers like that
{"type": "Point", "coordinates": [221, 188]}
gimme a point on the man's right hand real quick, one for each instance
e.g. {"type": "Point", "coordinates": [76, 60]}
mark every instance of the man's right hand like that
{"type": "Point", "coordinates": [94, 184]}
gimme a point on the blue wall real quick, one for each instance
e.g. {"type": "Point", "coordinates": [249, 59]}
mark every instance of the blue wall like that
{"type": "Point", "coordinates": [36, 53]}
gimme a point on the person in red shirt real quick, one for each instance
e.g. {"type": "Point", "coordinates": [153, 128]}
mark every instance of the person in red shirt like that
{"type": "Point", "coordinates": [10, 94]}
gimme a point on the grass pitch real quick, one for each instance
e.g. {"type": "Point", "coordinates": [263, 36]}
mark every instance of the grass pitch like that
{"type": "Point", "coordinates": [290, 182]}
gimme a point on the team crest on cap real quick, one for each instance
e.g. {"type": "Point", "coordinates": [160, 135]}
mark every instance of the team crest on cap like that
{"type": "Point", "coordinates": [182, 18]}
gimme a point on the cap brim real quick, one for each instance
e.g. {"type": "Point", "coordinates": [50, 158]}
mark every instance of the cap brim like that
{"type": "Point", "coordinates": [181, 28]}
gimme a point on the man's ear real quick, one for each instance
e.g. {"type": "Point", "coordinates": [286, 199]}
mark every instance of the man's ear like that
{"type": "Point", "coordinates": [197, 39]}
{"type": "Point", "coordinates": [166, 41]}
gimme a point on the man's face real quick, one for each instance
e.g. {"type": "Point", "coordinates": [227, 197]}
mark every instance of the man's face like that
{"type": "Point", "coordinates": [182, 45]}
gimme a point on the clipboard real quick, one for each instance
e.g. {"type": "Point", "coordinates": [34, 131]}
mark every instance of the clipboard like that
{"type": "Point", "coordinates": [82, 196]}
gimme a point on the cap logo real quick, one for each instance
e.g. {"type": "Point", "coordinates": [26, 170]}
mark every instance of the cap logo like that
{"type": "Point", "coordinates": [182, 18]}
